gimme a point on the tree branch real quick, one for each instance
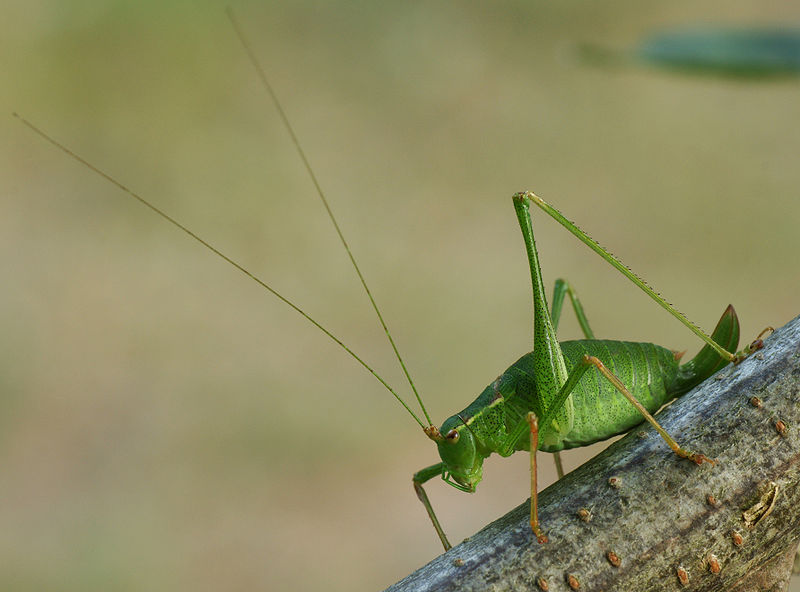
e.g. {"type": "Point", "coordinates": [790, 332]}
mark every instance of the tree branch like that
{"type": "Point", "coordinates": [732, 526]}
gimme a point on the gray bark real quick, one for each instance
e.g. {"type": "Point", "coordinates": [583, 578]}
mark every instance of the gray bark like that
{"type": "Point", "coordinates": [668, 517]}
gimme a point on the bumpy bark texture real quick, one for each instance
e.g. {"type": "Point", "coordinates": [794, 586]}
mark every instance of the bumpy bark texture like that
{"type": "Point", "coordinates": [672, 524]}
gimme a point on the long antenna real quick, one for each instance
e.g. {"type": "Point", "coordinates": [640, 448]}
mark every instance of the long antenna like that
{"type": "Point", "coordinates": [268, 87]}
{"type": "Point", "coordinates": [220, 254]}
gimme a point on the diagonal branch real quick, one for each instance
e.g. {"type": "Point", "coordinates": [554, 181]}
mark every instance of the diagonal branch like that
{"type": "Point", "coordinates": [732, 526]}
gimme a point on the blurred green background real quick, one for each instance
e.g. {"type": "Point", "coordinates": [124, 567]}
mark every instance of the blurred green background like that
{"type": "Point", "coordinates": [168, 425]}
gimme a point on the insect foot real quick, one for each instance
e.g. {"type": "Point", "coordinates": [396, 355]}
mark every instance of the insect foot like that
{"type": "Point", "coordinates": [541, 537]}
{"type": "Point", "coordinates": [695, 457]}
{"type": "Point", "coordinates": [755, 345]}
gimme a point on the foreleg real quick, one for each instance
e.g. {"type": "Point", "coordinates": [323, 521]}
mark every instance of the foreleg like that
{"type": "Point", "coordinates": [421, 477]}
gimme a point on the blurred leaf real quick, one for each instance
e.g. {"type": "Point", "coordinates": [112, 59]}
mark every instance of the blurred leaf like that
{"type": "Point", "coordinates": [727, 51]}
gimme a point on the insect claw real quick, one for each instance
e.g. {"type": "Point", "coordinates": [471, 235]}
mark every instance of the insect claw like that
{"type": "Point", "coordinates": [745, 353]}
{"type": "Point", "coordinates": [756, 345]}
{"type": "Point", "coordinates": [700, 459]}
{"type": "Point", "coordinates": [695, 457]}
{"type": "Point", "coordinates": [541, 537]}
{"type": "Point", "coordinates": [768, 331]}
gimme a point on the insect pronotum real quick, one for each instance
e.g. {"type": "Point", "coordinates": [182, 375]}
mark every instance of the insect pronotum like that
{"type": "Point", "coordinates": [540, 401]}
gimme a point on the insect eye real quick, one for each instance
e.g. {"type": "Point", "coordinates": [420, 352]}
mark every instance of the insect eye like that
{"type": "Point", "coordinates": [452, 435]}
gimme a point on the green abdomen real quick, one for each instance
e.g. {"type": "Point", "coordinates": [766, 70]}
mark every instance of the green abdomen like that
{"type": "Point", "coordinates": [600, 411]}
